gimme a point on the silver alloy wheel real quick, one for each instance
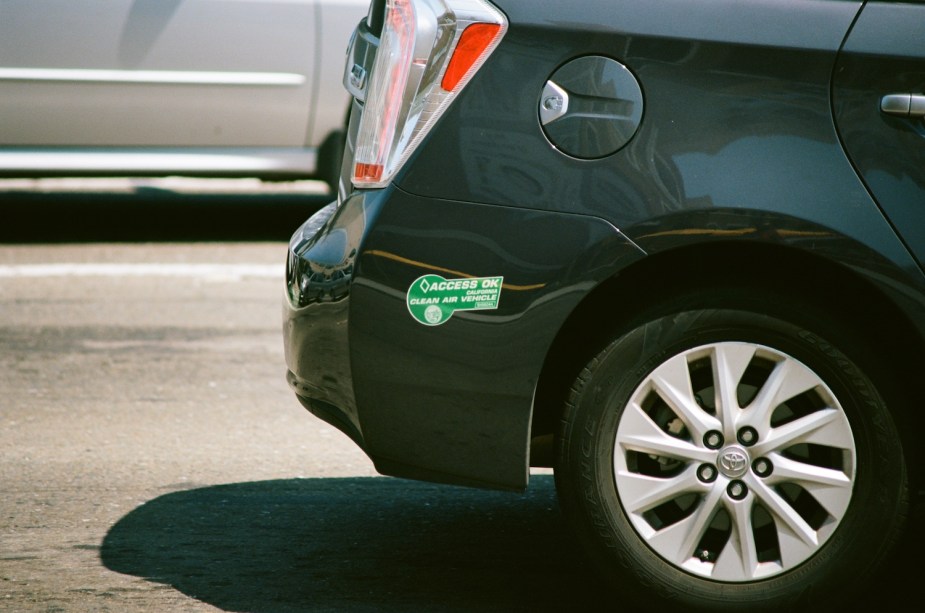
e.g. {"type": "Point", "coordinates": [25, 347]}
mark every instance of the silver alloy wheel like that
{"type": "Point", "coordinates": [734, 461]}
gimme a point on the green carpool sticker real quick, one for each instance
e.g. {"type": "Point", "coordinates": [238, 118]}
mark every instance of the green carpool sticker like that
{"type": "Point", "coordinates": [432, 299]}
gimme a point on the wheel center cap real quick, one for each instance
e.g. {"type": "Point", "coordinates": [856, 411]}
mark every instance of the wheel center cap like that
{"type": "Point", "coordinates": [733, 462]}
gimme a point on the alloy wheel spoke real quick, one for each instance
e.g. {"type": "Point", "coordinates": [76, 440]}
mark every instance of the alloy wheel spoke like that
{"type": "Point", "coordinates": [639, 433]}
{"type": "Point", "coordinates": [788, 380]}
{"type": "Point", "coordinates": [824, 427]}
{"type": "Point", "coordinates": [831, 488]}
{"type": "Point", "coordinates": [789, 520]}
{"type": "Point", "coordinates": [672, 382]}
{"type": "Point", "coordinates": [805, 475]}
{"type": "Point", "coordinates": [793, 547]}
{"type": "Point", "coordinates": [643, 492]}
{"type": "Point", "coordinates": [739, 558]}
{"type": "Point", "coordinates": [679, 540]}
{"type": "Point", "coordinates": [729, 365]}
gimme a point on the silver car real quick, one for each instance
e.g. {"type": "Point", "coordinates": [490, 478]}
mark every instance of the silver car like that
{"type": "Point", "coordinates": [194, 87]}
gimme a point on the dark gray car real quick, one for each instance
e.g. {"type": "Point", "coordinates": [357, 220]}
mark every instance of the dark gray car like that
{"type": "Point", "coordinates": [673, 249]}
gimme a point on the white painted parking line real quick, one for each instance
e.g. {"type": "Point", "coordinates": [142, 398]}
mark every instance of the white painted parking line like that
{"type": "Point", "coordinates": [202, 271]}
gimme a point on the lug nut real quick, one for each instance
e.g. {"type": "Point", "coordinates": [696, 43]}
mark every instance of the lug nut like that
{"type": "Point", "coordinates": [748, 436]}
{"type": "Point", "coordinates": [713, 439]}
{"type": "Point", "coordinates": [707, 473]}
{"type": "Point", "coordinates": [737, 490]}
{"type": "Point", "coordinates": [762, 467]}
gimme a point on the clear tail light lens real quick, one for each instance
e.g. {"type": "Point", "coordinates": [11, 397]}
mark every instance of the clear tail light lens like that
{"type": "Point", "coordinates": [428, 51]}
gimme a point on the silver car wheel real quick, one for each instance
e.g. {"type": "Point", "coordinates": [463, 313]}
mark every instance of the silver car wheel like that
{"type": "Point", "coordinates": [734, 461]}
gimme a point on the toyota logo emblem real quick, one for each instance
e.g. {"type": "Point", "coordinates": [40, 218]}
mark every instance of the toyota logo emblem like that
{"type": "Point", "coordinates": [733, 462]}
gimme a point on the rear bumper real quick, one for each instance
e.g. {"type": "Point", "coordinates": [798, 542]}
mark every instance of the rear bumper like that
{"type": "Point", "coordinates": [319, 272]}
{"type": "Point", "coordinates": [449, 402]}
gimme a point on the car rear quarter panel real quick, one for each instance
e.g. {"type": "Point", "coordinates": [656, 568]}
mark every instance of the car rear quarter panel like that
{"type": "Point", "coordinates": [737, 117]}
{"type": "Point", "coordinates": [453, 402]}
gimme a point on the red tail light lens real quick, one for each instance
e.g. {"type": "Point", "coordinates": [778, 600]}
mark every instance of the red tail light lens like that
{"type": "Point", "coordinates": [428, 51]}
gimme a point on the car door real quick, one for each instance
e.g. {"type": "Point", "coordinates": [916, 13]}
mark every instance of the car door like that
{"type": "Point", "coordinates": [171, 73]}
{"type": "Point", "coordinates": [879, 102]}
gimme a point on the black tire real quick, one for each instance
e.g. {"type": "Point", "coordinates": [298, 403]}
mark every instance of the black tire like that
{"type": "Point", "coordinates": [867, 519]}
{"type": "Point", "coordinates": [330, 159]}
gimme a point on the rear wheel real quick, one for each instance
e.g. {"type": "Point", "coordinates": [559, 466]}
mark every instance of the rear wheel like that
{"type": "Point", "coordinates": [723, 458]}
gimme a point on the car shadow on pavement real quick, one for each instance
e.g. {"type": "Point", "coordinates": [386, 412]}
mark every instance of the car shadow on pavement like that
{"type": "Point", "coordinates": [382, 544]}
{"type": "Point", "coordinates": [356, 544]}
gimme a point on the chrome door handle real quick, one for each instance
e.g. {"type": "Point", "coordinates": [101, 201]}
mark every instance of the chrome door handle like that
{"type": "Point", "coordinates": [903, 105]}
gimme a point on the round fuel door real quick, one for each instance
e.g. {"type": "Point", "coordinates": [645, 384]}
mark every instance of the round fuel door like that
{"type": "Point", "coordinates": [591, 107]}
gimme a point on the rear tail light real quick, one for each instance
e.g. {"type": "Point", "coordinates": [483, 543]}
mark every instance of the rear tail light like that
{"type": "Point", "coordinates": [428, 51]}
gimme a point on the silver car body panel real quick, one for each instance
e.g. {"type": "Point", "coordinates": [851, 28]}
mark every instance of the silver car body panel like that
{"type": "Point", "coordinates": [188, 160]}
{"type": "Point", "coordinates": [96, 76]}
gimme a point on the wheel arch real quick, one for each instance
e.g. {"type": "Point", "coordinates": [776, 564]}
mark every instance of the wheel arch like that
{"type": "Point", "coordinates": [728, 270]}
